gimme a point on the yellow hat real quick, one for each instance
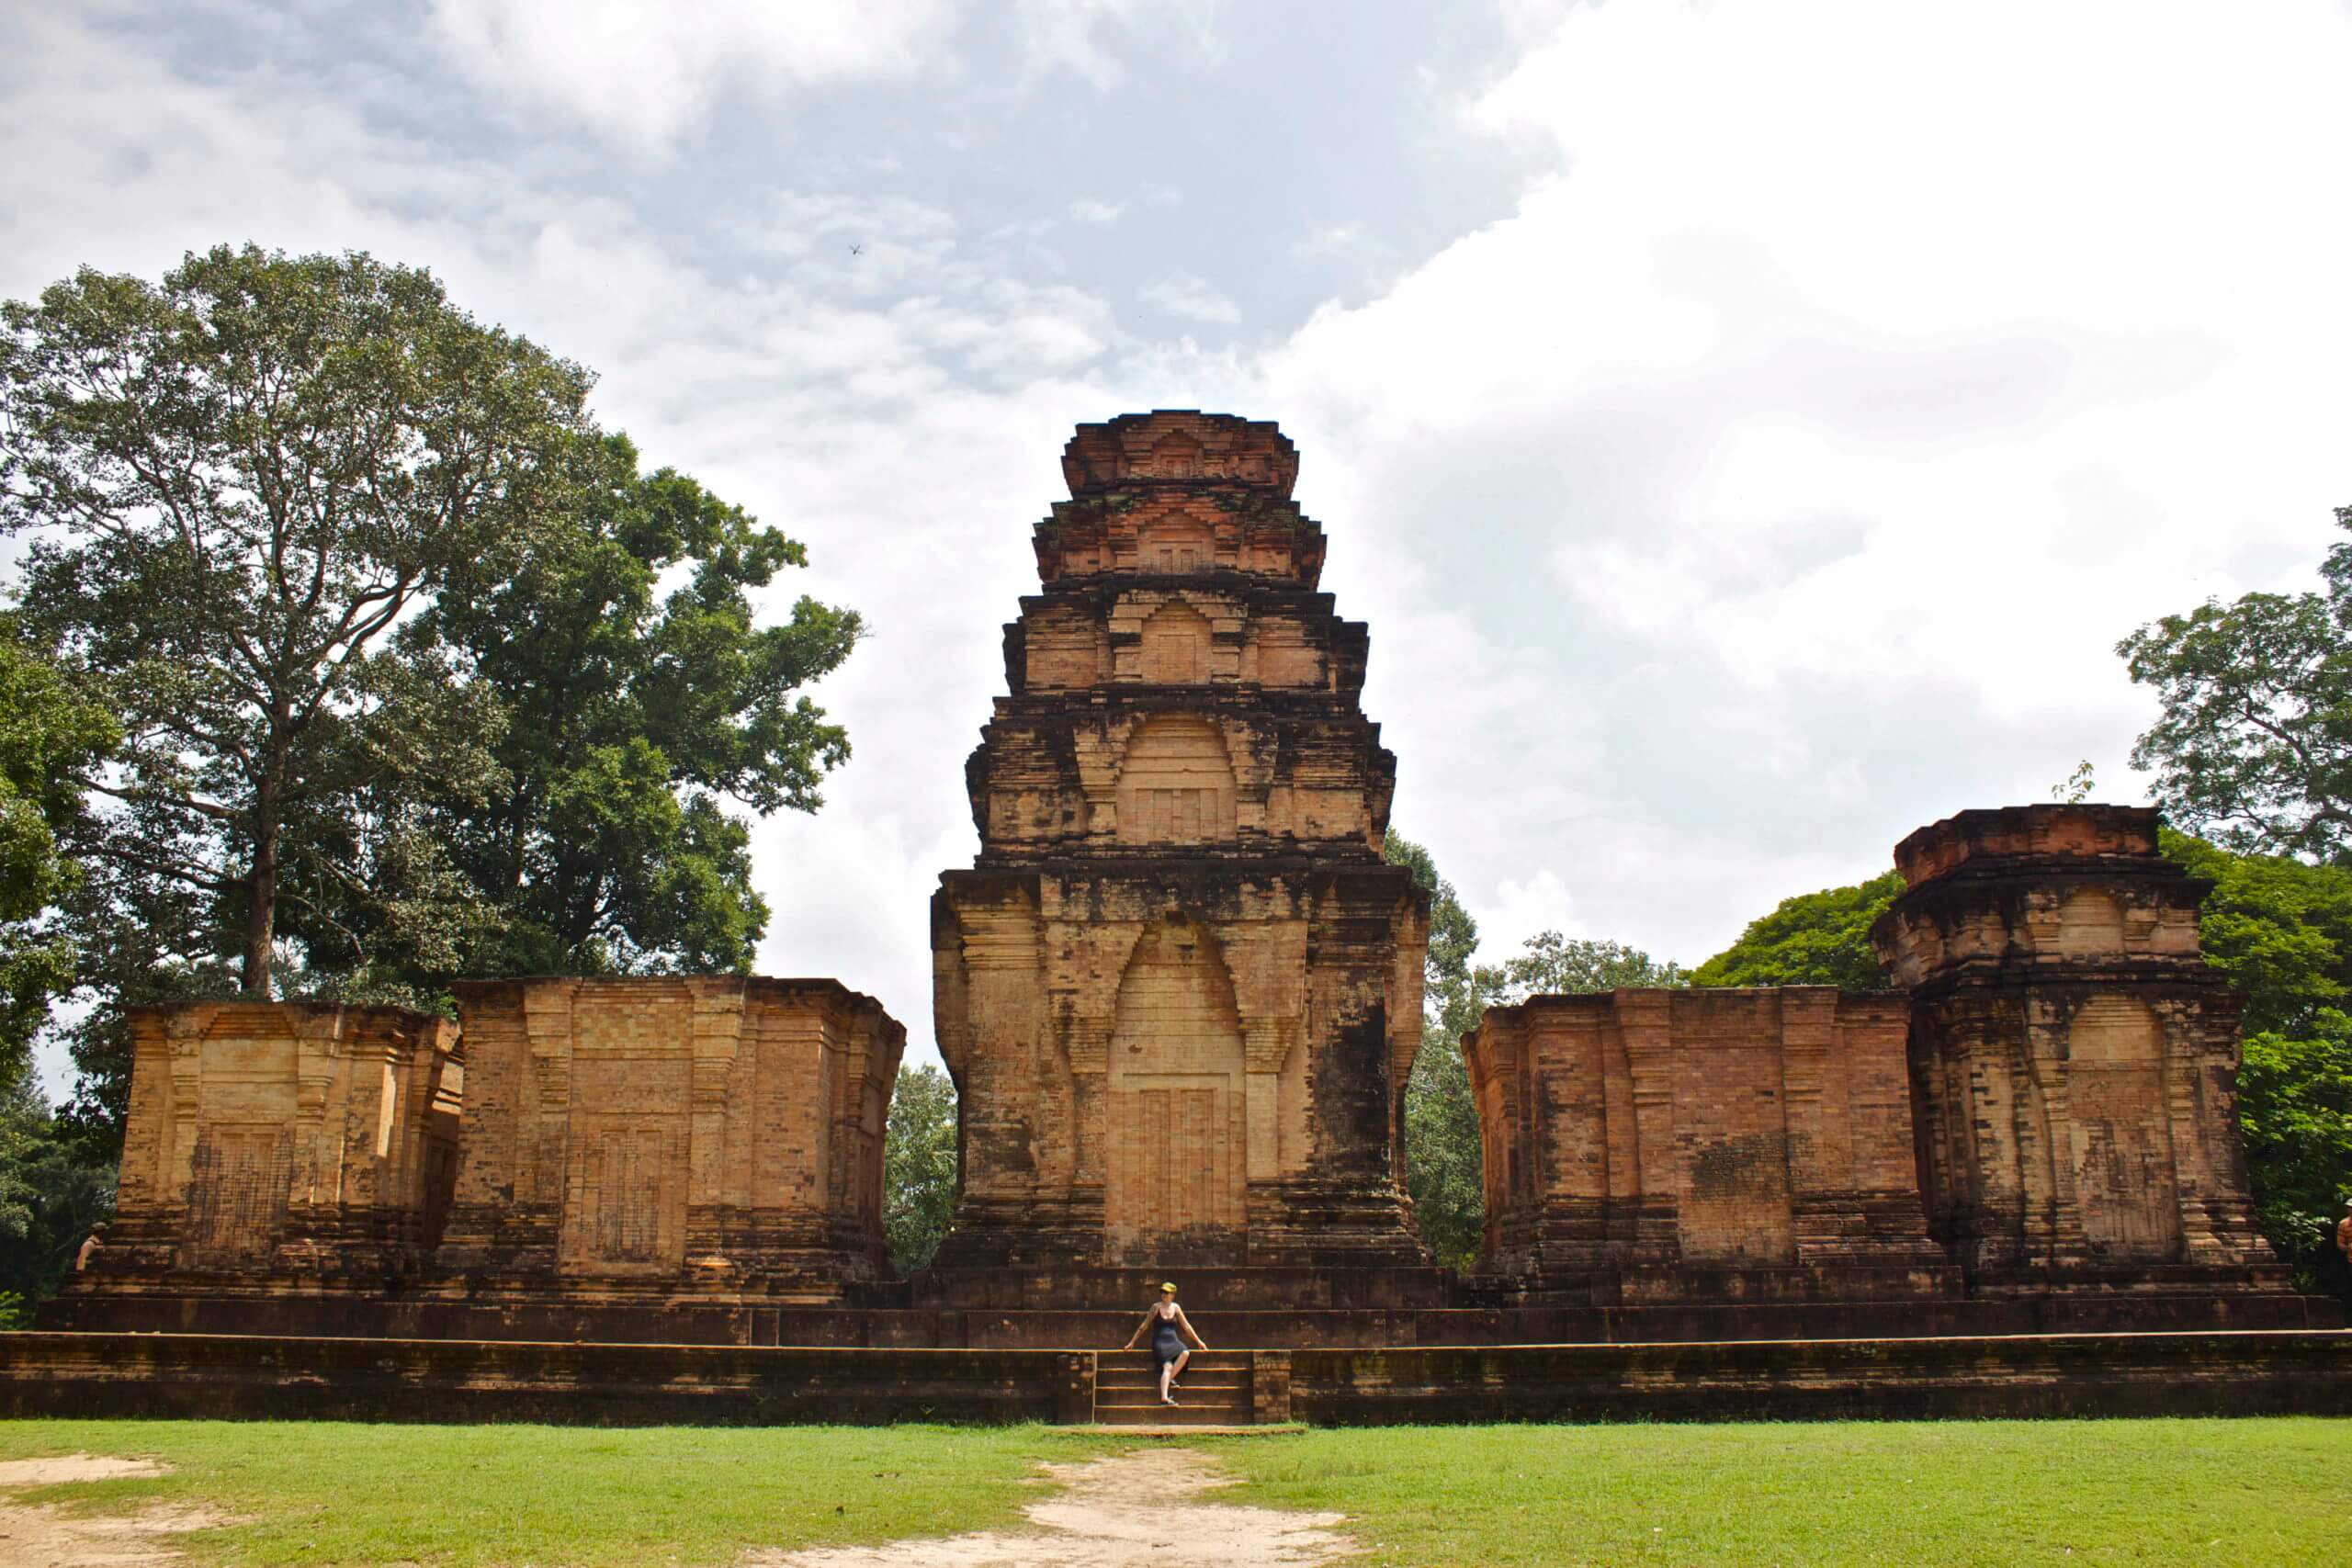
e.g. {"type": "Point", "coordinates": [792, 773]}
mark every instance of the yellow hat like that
{"type": "Point", "coordinates": [1169, 1287]}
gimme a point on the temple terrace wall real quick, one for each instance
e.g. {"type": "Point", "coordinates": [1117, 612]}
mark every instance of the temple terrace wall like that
{"type": "Point", "coordinates": [1180, 990]}
{"type": "Point", "coordinates": [2049, 1100]}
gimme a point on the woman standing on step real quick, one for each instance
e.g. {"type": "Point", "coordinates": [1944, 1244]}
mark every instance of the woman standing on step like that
{"type": "Point", "coordinates": [1168, 1329]}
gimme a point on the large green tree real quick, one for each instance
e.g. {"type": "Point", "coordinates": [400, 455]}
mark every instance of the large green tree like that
{"type": "Point", "coordinates": [918, 1167]}
{"type": "Point", "coordinates": [49, 737]}
{"type": "Point", "coordinates": [1443, 1161]}
{"type": "Point", "coordinates": [1813, 939]}
{"type": "Point", "coordinates": [2281, 928]}
{"type": "Point", "coordinates": [2253, 747]}
{"type": "Point", "coordinates": [633, 716]}
{"type": "Point", "coordinates": [235, 485]}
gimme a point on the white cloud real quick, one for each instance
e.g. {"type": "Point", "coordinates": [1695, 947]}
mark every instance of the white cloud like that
{"type": "Point", "coordinates": [1182, 294]}
{"type": "Point", "coordinates": [1866, 374]}
{"type": "Point", "coordinates": [1523, 907]}
{"type": "Point", "coordinates": [642, 71]}
{"type": "Point", "coordinates": [1082, 37]}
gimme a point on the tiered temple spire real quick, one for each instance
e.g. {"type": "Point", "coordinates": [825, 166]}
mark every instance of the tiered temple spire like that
{"type": "Point", "coordinates": [1181, 989]}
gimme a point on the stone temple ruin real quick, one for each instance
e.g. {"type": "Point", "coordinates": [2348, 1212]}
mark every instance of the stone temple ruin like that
{"type": "Point", "coordinates": [1179, 992]}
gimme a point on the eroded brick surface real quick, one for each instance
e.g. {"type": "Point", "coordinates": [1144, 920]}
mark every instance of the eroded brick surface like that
{"type": "Point", "coordinates": [1180, 990]}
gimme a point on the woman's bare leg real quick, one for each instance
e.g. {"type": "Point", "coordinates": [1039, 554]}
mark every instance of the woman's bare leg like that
{"type": "Point", "coordinates": [1167, 1370]}
{"type": "Point", "coordinates": [1182, 1361]}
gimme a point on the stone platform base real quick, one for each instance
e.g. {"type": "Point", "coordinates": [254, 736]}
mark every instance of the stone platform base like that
{"type": "Point", "coordinates": [1014, 1326]}
{"type": "Point", "coordinates": [470, 1380]}
{"type": "Point", "coordinates": [2253, 1373]}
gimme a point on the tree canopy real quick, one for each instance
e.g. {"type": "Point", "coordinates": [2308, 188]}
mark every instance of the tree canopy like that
{"type": "Point", "coordinates": [1553, 965]}
{"type": "Point", "coordinates": [50, 736]}
{"type": "Point", "coordinates": [2253, 747]}
{"type": "Point", "coordinates": [234, 487]}
{"type": "Point", "coordinates": [919, 1156]}
{"type": "Point", "coordinates": [631, 717]}
{"type": "Point", "coordinates": [1443, 1166]}
{"type": "Point", "coordinates": [1813, 939]}
{"type": "Point", "coordinates": [54, 1188]}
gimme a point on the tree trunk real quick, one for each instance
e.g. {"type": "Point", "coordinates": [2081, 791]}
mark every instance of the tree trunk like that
{"type": "Point", "coordinates": [261, 897]}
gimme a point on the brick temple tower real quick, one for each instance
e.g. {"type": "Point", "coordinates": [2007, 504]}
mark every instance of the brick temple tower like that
{"type": "Point", "coordinates": [1180, 991]}
{"type": "Point", "coordinates": [2073, 1059]}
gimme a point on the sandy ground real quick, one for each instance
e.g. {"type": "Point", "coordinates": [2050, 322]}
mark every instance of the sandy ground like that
{"type": "Point", "coordinates": [47, 1537]}
{"type": "Point", "coordinates": [1134, 1508]}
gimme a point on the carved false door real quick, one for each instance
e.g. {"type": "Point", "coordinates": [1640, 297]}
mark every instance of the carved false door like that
{"type": "Point", "coordinates": [1175, 1178]}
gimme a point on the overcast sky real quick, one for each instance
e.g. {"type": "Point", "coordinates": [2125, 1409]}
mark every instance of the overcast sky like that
{"type": "Point", "coordinates": [1748, 427]}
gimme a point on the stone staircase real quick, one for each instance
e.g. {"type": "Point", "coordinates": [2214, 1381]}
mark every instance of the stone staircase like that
{"type": "Point", "coordinates": [1215, 1391]}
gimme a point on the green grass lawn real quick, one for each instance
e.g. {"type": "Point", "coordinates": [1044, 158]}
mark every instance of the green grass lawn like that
{"type": "Point", "coordinates": [337, 1493]}
{"type": "Point", "coordinates": [2255, 1492]}
{"type": "Point", "coordinates": [2269, 1492]}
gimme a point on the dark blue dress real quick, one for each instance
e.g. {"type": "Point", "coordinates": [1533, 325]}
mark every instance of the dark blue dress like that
{"type": "Point", "coordinates": [1166, 1343]}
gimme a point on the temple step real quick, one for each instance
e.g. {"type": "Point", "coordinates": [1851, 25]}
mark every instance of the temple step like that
{"type": "Point", "coordinates": [1151, 1413]}
{"type": "Point", "coordinates": [1214, 1391]}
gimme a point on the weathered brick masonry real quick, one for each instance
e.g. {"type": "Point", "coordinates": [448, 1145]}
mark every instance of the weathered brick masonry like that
{"type": "Point", "coordinates": [1179, 991]}
{"type": "Point", "coordinates": [625, 1148]}
{"type": "Point", "coordinates": [2049, 1106]}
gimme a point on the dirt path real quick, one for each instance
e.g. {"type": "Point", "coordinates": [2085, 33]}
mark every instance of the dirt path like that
{"type": "Point", "coordinates": [48, 1537]}
{"type": "Point", "coordinates": [1133, 1508]}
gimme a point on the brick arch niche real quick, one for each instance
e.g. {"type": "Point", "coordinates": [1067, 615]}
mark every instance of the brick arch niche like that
{"type": "Point", "coordinates": [1175, 650]}
{"type": "Point", "coordinates": [1176, 783]}
{"type": "Point", "coordinates": [1177, 543]}
{"type": "Point", "coordinates": [2090, 922]}
{"type": "Point", "coordinates": [1175, 1146]}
